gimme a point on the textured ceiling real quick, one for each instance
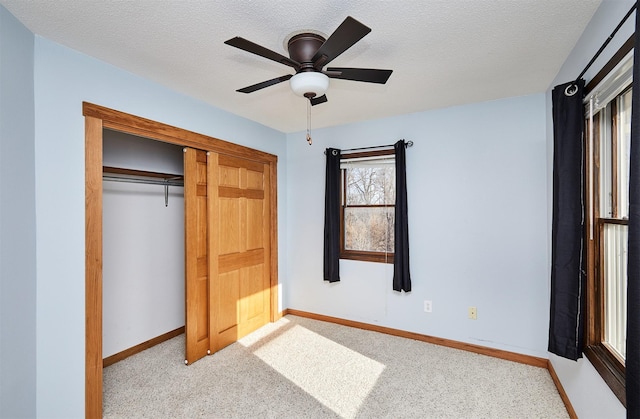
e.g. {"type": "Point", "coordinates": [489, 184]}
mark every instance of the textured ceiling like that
{"type": "Point", "coordinates": [442, 52]}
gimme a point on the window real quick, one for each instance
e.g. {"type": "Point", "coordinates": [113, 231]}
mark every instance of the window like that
{"type": "Point", "coordinates": [368, 206]}
{"type": "Point", "coordinates": [607, 190]}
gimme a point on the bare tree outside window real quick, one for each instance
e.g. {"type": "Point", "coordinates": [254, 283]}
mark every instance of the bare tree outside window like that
{"type": "Point", "coordinates": [369, 208]}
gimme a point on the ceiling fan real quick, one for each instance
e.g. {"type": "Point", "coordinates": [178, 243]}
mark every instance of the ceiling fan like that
{"type": "Point", "coordinates": [308, 53]}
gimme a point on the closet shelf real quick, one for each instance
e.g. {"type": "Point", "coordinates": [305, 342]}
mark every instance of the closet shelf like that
{"type": "Point", "coordinates": [117, 174]}
{"type": "Point", "coordinates": [141, 176]}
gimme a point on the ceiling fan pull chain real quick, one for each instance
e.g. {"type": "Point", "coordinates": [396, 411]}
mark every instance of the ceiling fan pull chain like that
{"type": "Point", "coordinates": [309, 140]}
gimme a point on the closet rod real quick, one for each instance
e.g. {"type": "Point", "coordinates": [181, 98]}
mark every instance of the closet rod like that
{"type": "Point", "coordinates": [169, 181]}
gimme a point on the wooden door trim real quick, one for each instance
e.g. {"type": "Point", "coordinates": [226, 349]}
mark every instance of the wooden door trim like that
{"type": "Point", "coordinates": [93, 267]}
{"type": "Point", "coordinates": [131, 124]}
{"type": "Point", "coordinates": [98, 118]}
{"type": "Point", "coordinates": [273, 236]}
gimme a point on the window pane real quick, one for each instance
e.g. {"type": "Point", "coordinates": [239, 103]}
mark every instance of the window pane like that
{"type": "Point", "coordinates": [624, 148]}
{"type": "Point", "coordinates": [615, 287]}
{"type": "Point", "coordinates": [604, 128]}
{"type": "Point", "coordinates": [369, 229]}
{"type": "Point", "coordinates": [370, 185]}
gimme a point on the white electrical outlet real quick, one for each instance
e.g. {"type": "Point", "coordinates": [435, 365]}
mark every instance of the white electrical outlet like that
{"type": "Point", "coordinates": [427, 306]}
{"type": "Point", "coordinates": [473, 313]}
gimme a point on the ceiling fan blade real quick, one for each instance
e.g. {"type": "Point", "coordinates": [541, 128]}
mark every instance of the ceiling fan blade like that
{"type": "Point", "coordinates": [368, 75]}
{"type": "Point", "coordinates": [264, 84]}
{"type": "Point", "coordinates": [348, 33]}
{"type": "Point", "coordinates": [253, 48]}
{"type": "Point", "coordinates": [331, 73]}
{"type": "Point", "coordinates": [318, 100]}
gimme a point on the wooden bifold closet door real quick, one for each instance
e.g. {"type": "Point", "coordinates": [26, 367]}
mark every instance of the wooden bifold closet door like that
{"type": "Point", "coordinates": [227, 250]}
{"type": "Point", "coordinates": [197, 254]}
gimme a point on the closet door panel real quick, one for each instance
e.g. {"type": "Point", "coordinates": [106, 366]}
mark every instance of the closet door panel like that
{"type": "Point", "coordinates": [197, 327]}
{"type": "Point", "coordinates": [229, 222]}
{"type": "Point", "coordinates": [229, 176]}
{"type": "Point", "coordinates": [252, 304]}
{"type": "Point", "coordinates": [255, 220]}
{"type": "Point", "coordinates": [228, 300]}
{"type": "Point", "coordinates": [243, 248]}
{"type": "Point", "coordinates": [255, 180]}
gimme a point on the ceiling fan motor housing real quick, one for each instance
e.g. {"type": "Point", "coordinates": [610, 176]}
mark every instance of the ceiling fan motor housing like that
{"type": "Point", "coordinates": [308, 82]}
{"type": "Point", "coordinates": [303, 47]}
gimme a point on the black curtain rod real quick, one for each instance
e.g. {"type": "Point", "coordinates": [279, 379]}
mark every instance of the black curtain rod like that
{"type": "Point", "coordinates": [595, 57]}
{"type": "Point", "coordinates": [407, 144]}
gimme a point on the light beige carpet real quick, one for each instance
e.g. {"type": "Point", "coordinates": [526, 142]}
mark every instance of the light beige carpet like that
{"type": "Point", "coordinates": [302, 368]}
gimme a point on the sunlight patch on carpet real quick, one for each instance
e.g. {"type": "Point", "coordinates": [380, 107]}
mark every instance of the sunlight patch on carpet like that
{"type": "Point", "coordinates": [335, 375]}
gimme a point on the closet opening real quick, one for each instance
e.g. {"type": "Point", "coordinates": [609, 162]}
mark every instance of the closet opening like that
{"type": "Point", "coordinates": [143, 244]}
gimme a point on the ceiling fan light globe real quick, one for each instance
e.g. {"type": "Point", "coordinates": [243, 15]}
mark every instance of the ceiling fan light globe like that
{"type": "Point", "coordinates": [309, 82]}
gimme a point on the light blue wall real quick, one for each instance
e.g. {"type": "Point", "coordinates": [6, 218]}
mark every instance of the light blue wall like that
{"type": "Point", "coordinates": [589, 394]}
{"type": "Point", "coordinates": [476, 180]}
{"type": "Point", "coordinates": [17, 221]}
{"type": "Point", "coordinates": [63, 80]}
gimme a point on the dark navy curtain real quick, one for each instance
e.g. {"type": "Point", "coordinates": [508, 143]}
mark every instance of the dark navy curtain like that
{"type": "Point", "coordinates": [632, 362]}
{"type": "Point", "coordinates": [401, 275]}
{"type": "Point", "coordinates": [332, 216]}
{"type": "Point", "coordinates": [568, 276]}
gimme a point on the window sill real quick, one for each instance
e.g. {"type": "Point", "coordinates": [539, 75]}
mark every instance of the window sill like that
{"type": "Point", "coordinates": [367, 256]}
{"type": "Point", "coordinates": [608, 370]}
